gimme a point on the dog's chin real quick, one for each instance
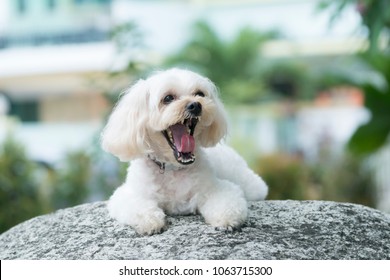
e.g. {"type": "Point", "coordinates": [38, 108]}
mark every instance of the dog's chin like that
{"type": "Point", "coordinates": [181, 140]}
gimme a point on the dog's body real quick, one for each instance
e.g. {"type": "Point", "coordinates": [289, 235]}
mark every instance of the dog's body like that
{"type": "Point", "coordinates": [169, 126]}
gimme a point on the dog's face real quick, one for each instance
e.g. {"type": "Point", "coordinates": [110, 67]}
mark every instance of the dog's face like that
{"type": "Point", "coordinates": [168, 115]}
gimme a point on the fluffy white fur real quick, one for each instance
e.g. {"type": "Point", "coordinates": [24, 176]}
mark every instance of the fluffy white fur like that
{"type": "Point", "coordinates": [217, 184]}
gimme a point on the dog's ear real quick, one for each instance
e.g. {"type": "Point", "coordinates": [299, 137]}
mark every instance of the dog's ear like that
{"type": "Point", "coordinates": [218, 128]}
{"type": "Point", "coordinates": [125, 133]}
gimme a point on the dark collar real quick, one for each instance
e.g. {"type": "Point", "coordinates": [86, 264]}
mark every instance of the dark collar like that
{"type": "Point", "coordinates": [163, 166]}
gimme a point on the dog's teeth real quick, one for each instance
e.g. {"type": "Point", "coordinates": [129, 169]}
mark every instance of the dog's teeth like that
{"type": "Point", "coordinates": [170, 134]}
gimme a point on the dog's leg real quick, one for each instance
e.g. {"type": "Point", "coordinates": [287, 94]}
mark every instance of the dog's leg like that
{"type": "Point", "coordinates": [229, 165]}
{"type": "Point", "coordinates": [224, 206]}
{"type": "Point", "coordinates": [141, 213]}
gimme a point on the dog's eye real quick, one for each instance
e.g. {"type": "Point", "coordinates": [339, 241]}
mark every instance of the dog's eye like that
{"type": "Point", "coordinates": [199, 93]}
{"type": "Point", "coordinates": [168, 99]}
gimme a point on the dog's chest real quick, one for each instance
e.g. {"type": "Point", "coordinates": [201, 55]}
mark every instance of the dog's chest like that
{"type": "Point", "coordinates": [177, 192]}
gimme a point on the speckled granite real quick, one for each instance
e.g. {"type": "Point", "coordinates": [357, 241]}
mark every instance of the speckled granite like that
{"type": "Point", "coordinates": [274, 230]}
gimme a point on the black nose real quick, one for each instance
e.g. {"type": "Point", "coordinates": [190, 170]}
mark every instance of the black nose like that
{"type": "Point", "coordinates": [194, 108]}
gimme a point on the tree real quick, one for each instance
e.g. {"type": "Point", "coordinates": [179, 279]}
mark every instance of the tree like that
{"type": "Point", "coordinates": [71, 185]}
{"type": "Point", "coordinates": [371, 136]}
{"type": "Point", "coordinates": [233, 65]}
{"type": "Point", "coordinates": [19, 188]}
{"type": "Point", "coordinates": [375, 15]}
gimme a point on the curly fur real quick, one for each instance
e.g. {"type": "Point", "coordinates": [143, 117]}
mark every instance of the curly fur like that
{"type": "Point", "coordinates": [217, 184]}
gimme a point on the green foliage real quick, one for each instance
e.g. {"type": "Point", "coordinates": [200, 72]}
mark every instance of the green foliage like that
{"type": "Point", "coordinates": [342, 179]}
{"type": "Point", "coordinates": [239, 69]}
{"type": "Point", "coordinates": [376, 18]}
{"type": "Point", "coordinates": [72, 181]}
{"type": "Point", "coordinates": [28, 189]}
{"type": "Point", "coordinates": [287, 176]}
{"type": "Point", "coordinates": [289, 79]}
{"type": "Point", "coordinates": [235, 66]}
{"type": "Point", "coordinates": [127, 36]}
{"type": "Point", "coordinates": [373, 135]}
{"type": "Point", "coordinates": [19, 188]}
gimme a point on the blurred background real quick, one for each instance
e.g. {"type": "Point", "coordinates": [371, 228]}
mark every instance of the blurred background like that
{"type": "Point", "coordinates": [306, 85]}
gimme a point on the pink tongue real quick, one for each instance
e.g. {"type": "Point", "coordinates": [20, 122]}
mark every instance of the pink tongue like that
{"type": "Point", "coordinates": [187, 144]}
{"type": "Point", "coordinates": [184, 142]}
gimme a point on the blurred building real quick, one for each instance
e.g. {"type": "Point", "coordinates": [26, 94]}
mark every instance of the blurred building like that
{"type": "Point", "coordinates": [55, 56]}
{"type": "Point", "coordinates": [56, 22]}
{"type": "Point", "coordinates": [50, 54]}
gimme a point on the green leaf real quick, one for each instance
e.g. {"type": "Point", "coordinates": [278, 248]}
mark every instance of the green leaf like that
{"type": "Point", "coordinates": [369, 137]}
{"type": "Point", "coordinates": [376, 100]}
{"type": "Point", "coordinates": [373, 135]}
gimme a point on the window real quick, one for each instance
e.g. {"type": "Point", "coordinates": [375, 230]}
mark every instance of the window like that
{"type": "Point", "coordinates": [26, 110]}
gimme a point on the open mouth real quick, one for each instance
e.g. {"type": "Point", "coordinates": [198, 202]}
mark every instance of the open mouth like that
{"type": "Point", "coordinates": [180, 138]}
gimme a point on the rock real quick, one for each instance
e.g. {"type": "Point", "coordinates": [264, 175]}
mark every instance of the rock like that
{"type": "Point", "coordinates": [274, 230]}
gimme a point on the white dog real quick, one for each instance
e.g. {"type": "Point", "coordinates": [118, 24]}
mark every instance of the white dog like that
{"type": "Point", "coordinates": [170, 125]}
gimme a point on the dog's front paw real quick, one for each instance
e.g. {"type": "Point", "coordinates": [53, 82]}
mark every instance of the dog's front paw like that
{"type": "Point", "coordinates": [229, 218]}
{"type": "Point", "coordinates": [228, 222]}
{"type": "Point", "coordinates": [150, 222]}
{"type": "Point", "coordinates": [225, 208]}
{"type": "Point", "coordinates": [229, 229]}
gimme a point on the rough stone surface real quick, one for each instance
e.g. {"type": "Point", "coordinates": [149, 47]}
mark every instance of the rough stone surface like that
{"type": "Point", "coordinates": [274, 230]}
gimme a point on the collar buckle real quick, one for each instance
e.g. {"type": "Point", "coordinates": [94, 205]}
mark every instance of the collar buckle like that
{"type": "Point", "coordinates": [160, 164]}
{"type": "Point", "coordinates": [163, 166]}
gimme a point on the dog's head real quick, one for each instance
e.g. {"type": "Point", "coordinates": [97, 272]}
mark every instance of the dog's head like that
{"type": "Point", "coordinates": [168, 116]}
